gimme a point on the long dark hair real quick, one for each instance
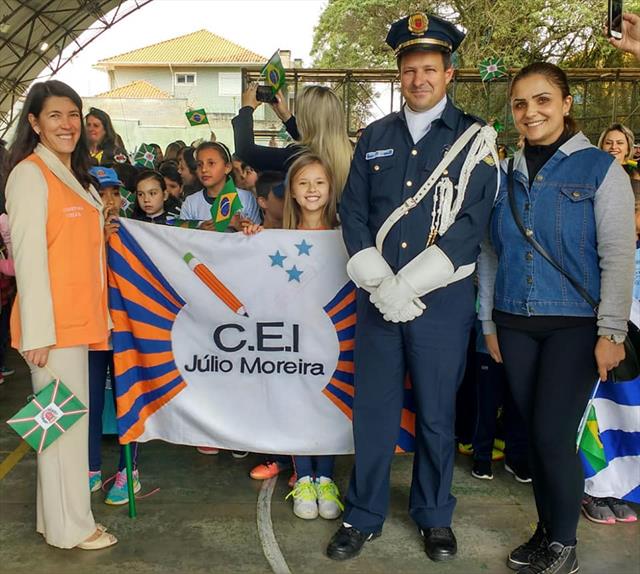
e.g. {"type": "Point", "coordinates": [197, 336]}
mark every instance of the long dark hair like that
{"type": "Point", "coordinates": [556, 77]}
{"type": "Point", "coordinates": [110, 139]}
{"type": "Point", "coordinates": [26, 140]}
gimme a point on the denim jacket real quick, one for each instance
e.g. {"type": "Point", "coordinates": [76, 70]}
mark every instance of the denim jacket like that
{"type": "Point", "coordinates": [580, 208]}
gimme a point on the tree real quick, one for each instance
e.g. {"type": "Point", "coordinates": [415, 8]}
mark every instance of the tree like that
{"type": "Point", "coordinates": [350, 33]}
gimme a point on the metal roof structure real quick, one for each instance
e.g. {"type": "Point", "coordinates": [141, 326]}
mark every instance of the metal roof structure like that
{"type": "Point", "coordinates": [197, 48]}
{"type": "Point", "coordinates": [40, 34]}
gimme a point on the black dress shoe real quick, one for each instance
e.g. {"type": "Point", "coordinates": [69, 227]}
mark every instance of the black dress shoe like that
{"type": "Point", "coordinates": [348, 542]}
{"type": "Point", "coordinates": [439, 543]}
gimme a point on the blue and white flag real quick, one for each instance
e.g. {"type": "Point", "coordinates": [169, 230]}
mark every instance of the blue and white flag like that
{"type": "Point", "coordinates": [617, 407]}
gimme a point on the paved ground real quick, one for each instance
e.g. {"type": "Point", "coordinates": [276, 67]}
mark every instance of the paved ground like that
{"type": "Point", "coordinates": [204, 520]}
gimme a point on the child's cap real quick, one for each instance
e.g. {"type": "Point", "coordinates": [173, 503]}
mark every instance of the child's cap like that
{"type": "Point", "coordinates": [106, 176]}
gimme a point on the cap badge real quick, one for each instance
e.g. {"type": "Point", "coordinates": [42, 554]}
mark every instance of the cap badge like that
{"type": "Point", "coordinates": [418, 23]}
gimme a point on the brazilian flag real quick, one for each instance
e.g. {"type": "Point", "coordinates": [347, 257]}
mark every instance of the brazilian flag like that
{"type": "Point", "coordinates": [590, 444]}
{"type": "Point", "coordinates": [273, 72]}
{"type": "Point", "coordinates": [226, 204]}
{"type": "Point", "coordinates": [197, 117]}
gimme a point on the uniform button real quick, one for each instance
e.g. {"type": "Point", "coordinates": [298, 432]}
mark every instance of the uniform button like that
{"type": "Point", "coordinates": [445, 172]}
{"type": "Point", "coordinates": [409, 183]}
{"type": "Point", "coordinates": [529, 256]}
{"type": "Point", "coordinates": [539, 178]}
{"type": "Point", "coordinates": [575, 194]}
{"type": "Point", "coordinates": [376, 168]}
{"type": "Point", "coordinates": [414, 152]}
{"type": "Point", "coordinates": [403, 245]}
{"type": "Point", "coordinates": [529, 232]}
{"type": "Point", "coordinates": [529, 280]}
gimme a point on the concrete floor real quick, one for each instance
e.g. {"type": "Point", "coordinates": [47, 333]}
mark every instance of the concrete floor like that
{"type": "Point", "coordinates": [203, 519]}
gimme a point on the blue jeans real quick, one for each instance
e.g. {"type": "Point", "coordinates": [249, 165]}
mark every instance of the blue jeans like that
{"type": "Point", "coordinates": [101, 363]}
{"type": "Point", "coordinates": [314, 465]}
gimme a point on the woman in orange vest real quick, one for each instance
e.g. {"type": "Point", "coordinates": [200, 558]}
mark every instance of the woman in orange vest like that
{"type": "Point", "coordinates": [56, 223]}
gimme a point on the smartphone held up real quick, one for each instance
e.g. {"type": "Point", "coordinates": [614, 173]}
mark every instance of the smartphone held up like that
{"type": "Point", "coordinates": [265, 94]}
{"type": "Point", "coordinates": [614, 19]}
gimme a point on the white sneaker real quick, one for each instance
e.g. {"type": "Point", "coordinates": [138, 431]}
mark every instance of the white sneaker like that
{"type": "Point", "coordinates": [304, 495]}
{"type": "Point", "coordinates": [329, 503]}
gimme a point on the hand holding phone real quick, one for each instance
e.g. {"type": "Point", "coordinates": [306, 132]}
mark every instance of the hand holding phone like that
{"type": "Point", "coordinates": [614, 19]}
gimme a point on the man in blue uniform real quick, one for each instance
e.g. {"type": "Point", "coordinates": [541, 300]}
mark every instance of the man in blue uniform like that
{"type": "Point", "coordinates": [412, 257]}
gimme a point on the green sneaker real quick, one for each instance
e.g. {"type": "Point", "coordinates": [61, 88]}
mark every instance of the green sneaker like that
{"type": "Point", "coordinates": [329, 504]}
{"type": "Point", "coordinates": [95, 480]}
{"type": "Point", "coordinates": [119, 494]}
{"type": "Point", "coordinates": [305, 499]}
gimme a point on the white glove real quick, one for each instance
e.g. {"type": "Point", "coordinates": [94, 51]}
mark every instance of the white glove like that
{"type": "Point", "coordinates": [367, 269]}
{"type": "Point", "coordinates": [431, 270]}
{"type": "Point", "coordinates": [397, 300]}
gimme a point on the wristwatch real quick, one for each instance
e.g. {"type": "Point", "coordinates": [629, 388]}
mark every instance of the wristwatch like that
{"type": "Point", "coordinates": [615, 339]}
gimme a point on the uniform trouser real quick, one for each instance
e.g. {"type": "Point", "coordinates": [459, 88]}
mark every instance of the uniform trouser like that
{"type": "Point", "coordinates": [63, 503]}
{"type": "Point", "coordinates": [432, 350]}
{"type": "Point", "coordinates": [551, 374]}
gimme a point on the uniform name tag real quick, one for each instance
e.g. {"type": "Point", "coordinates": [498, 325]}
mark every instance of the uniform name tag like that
{"type": "Point", "coordinates": [378, 153]}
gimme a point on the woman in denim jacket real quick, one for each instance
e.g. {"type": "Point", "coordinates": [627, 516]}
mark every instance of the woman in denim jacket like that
{"type": "Point", "coordinates": [577, 202]}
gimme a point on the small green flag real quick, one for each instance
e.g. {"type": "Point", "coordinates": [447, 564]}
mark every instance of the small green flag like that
{"type": "Point", "coordinates": [48, 415]}
{"type": "Point", "coordinates": [273, 72]}
{"type": "Point", "coordinates": [197, 117]}
{"type": "Point", "coordinates": [590, 443]}
{"type": "Point", "coordinates": [492, 68]}
{"type": "Point", "coordinates": [145, 157]}
{"type": "Point", "coordinates": [225, 206]}
{"type": "Point", "coordinates": [128, 202]}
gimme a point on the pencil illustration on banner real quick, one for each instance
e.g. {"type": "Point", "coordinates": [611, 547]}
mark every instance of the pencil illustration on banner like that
{"type": "Point", "coordinates": [210, 280]}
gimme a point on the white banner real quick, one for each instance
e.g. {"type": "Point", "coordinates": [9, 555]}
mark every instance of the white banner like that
{"type": "Point", "coordinates": [243, 343]}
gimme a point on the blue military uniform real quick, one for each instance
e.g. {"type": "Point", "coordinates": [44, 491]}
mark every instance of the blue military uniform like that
{"type": "Point", "coordinates": [387, 169]}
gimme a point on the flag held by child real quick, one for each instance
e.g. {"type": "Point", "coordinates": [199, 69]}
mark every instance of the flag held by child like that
{"type": "Point", "coordinates": [273, 72]}
{"type": "Point", "coordinates": [145, 157]}
{"type": "Point", "coordinates": [197, 117]}
{"type": "Point", "coordinates": [226, 204]}
{"type": "Point", "coordinates": [492, 68]}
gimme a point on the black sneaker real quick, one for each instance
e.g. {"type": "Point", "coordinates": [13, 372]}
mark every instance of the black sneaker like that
{"type": "Point", "coordinates": [519, 469]}
{"type": "Point", "coordinates": [347, 542]}
{"type": "Point", "coordinates": [482, 470]}
{"type": "Point", "coordinates": [555, 559]}
{"type": "Point", "coordinates": [521, 556]}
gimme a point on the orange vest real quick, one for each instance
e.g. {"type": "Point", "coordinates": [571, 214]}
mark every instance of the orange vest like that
{"type": "Point", "coordinates": [77, 268]}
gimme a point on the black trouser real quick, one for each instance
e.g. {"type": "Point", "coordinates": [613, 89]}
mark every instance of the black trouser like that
{"type": "Point", "coordinates": [551, 373]}
{"type": "Point", "coordinates": [492, 391]}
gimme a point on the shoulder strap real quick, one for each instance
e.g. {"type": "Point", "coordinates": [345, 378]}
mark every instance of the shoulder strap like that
{"type": "Point", "coordinates": [398, 213]}
{"type": "Point", "coordinates": [528, 235]}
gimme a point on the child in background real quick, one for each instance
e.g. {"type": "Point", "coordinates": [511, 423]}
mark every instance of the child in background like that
{"type": "Point", "coordinates": [151, 199]}
{"type": "Point", "coordinates": [187, 167]}
{"type": "Point", "coordinates": [214, 169]}
{"type": "Point", "coordinates": [270, 198]}
{"type": "Point", "coordinates": [310, 204]}
{"type": "Point", "coordinates": [101, 365]}
{"type": "Point", "coordinates": [244, 176]}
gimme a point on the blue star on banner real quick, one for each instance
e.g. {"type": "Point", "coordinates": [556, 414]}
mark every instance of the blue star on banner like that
{"type": "Point", "coordinates": [304, 248]}
{"type": "Point", "coordinates": [277, 259]}
{"type": "Point", "coordinates": [294, 274]}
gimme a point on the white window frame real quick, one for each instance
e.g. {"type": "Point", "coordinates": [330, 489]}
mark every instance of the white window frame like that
{"type": "Point", "coordinates": [224, 78]}
{"type": "Point", "coordinates": [185, 83]}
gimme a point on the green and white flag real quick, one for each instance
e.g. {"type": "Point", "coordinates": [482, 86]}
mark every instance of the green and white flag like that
{"type": "Point", "coordinates": [145, 157]}
{"type": "Point", "coordinates": [492, 68]}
